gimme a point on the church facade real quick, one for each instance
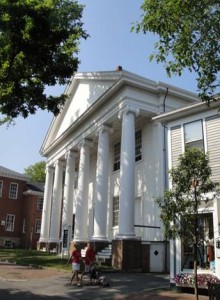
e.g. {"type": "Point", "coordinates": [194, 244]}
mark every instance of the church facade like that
{"type": "Point", "coordinates": [106, 164]}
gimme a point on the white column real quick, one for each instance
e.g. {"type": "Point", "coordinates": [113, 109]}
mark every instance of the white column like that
{"type": "Point", "coordinates": [67, 218]}
{"type": "Point", "coordinates": [46, 213]}
{"type": "Point", "coordinates": [57, 201]}
{"type": "Point", "coordinates": [81, 215]}
{"type": "Point", "coordinates": [101, 188]}
{"type": "Point", "coordinates": [172, 263]}
{"type": "Point", "coordinates": [127, 174]}
{"type": "Point", "coordinates": [178, 256]}
{"type": "Point", "coordinates": [216, 222]}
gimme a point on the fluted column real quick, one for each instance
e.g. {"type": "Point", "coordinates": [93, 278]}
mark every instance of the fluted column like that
{"type": "Point", "coordinates": [81, 215]}
{"type": "Point", "coordinates": [46, 213]}
{"type": "Point", "coordinates": [101, 188]}
{"type": "Point", "coordinates": [127, 174]}
{"type": "Point", "coordinates": [57, 201]}
{"type": "Point", "coordinates": [67, 218]}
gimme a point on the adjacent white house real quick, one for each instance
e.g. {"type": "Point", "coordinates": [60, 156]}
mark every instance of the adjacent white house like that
{"type": "Point", "coordinates": [197, 125]}
{"type": "Point", "coordinates": [106, 163]}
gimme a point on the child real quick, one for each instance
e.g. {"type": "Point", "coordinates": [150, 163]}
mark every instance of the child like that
{"type": "Point", "coordinates": [89, 261]}
{"type": "Point", "coordinates": [75, 258]}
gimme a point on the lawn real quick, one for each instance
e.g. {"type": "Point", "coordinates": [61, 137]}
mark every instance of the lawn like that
{"type": "Point", "coordinates": [38, 258]}
{"type": "Point", "coordinates": [33, 257]}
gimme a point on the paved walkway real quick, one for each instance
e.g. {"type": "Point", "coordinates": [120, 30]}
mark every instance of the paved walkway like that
{"type": "Point", "coordinates": [19, 282]}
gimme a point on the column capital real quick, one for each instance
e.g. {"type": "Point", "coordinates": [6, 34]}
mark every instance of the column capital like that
{"type": "Point", "coordinates": [128, 109]}
{"type": "Point", "coordinates": [103, 128]}
{"type": "Point", "coordinates": [70, 154]}
{"type": "Point", "coordinates": [85, 142]}
{"type": "Point", "coordinates": [59, 163]}
{"type": "Point", "coordinates": [49, 169]}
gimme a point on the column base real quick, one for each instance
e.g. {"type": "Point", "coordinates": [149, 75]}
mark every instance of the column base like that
{"type": "Point", "coordinates": [127, 254]}
{"type": "Point", "coordinates": [126, 236]}
{"type": "Point", "coordinates": [99, 238]}
{"type": "Point", "coordinates": [49, 246]}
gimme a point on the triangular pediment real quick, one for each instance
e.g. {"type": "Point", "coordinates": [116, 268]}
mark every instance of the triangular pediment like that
{"type": "Point", "coordinates": [83, 91]}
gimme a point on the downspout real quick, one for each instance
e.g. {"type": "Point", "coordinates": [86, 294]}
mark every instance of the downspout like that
{"type": "Point", "coordinates": [165, 167]}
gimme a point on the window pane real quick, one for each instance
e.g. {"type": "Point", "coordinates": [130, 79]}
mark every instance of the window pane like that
{"type": "Point", "coordinates": [76, 175]}
{"type": "Point", "coordinates": [193, 134]}
{"type": "Point", "coordinates": [193, 131]}
{"type": "Point", "coordinates": [9, 222]}
{"type": "Point", "coordinates": [24, 226]}
{"type": "Point", "coordinates": [40, 202]}
{"type": "Point", "coordinates": [196, 144]}
{"type": "Point", "coordinates": [13, 190]}
{"type": "Point", "coordinates": [1, 187]}
{"type": "Point", "coordinates": [138, 145]}
{"type": "Point", "coordinates": [38, 226]}
{"type": "Point", "coordinates": [115, 214]}
{"type": "Point", "coordinates": [117, 149]}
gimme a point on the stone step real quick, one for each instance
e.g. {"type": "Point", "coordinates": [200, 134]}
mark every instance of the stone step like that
{"type": "Point", "coordinates": [102, 255]}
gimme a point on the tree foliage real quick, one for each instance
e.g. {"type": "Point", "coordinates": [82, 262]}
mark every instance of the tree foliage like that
{"type": "Point", "coordinates": [36, 172]}
{"type": "Point", "coordinates": [178, 205]}
{"type": "Point", "coordinates": [39, 42]}
{"type": "Point", "coordinates": [189, 35]}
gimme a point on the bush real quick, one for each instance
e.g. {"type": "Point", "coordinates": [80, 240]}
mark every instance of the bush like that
{"type": "Point", "coordinates": [189, 279]}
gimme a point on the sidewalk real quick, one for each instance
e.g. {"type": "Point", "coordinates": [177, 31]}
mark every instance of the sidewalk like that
{"type": "Point", "coordinates": [44, 283]}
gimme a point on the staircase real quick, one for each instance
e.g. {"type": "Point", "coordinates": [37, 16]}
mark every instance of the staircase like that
{"type": "Point", "coordinates": [83, 252]}
{"type": "Point", "coordinates": [104, 256]}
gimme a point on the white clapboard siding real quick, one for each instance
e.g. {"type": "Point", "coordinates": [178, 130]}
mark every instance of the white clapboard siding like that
{"type": "Point", "coordinates": [213, 145]}
{"type": "Point", "coordinates": [176, 145]}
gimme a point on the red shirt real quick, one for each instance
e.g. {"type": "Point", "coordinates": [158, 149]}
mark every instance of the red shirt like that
{"type": "Point", "coordinates": [76, 255]}
{"type": "Point", "coordinates": [90, 256]}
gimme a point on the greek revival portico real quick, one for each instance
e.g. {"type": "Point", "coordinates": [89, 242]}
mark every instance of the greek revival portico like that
{"type": "Point", "coordinates": [55, 220]}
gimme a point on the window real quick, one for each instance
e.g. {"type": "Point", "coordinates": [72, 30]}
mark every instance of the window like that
{"type": "Point", "coordinates": [37, 226]}
{"type": "Point", "coordinates": [24, 226]}
{"type": "Point", "coordinates": [138, 145]}
{"type": "Point", "coordinates": [115, 212]}
{"type": "Point", "coordinates": [193, 135]}
{"type": "Point", "coordinates": [13, 191]}
{"type": "Point", "coordinates": [76, 175]}
{"type": "Point", "coordinates": [40, 202]}
{"type": "Point", "coordinates": [138, 150]}
{"type": "Point", "coordinates": [1, 187]}
{"type": "Point", "coordinates": [117, 149]}
{"type": "Point", "coordinates": [9, 222]}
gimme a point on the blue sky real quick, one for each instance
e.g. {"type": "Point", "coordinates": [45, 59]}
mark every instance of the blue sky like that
{"type": "Point", "coordinates": [111, 43]}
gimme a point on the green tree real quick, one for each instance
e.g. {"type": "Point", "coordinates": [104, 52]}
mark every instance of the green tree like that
{"type": "Point", "coordinates": [39, 43]}
{"type": "Point", "coordinates": [36, 172]}
{"type": "Point", "coordinates": [188, 37]}
{"type": "Point", "coordinates": [179, 206]}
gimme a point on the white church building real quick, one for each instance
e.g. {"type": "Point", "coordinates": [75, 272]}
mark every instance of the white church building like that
{"type": "Point", "coordinates": [107, 161]}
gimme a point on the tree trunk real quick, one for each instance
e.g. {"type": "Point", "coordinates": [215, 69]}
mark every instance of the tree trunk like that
{"type": "Point", "coordinates": [196, 243]}
{"type": "Point", "coordinates": [195, 271]}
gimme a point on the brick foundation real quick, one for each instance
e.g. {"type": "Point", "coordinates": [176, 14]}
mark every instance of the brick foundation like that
{"type": "Point", "coordinates": [127, 254]}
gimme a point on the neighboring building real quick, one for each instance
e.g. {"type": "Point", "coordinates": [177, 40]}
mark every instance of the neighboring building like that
{"type": "Point", "coordinates": [106, 163]}
{"type": "Point", "coordinates": [21, 205]}
{"type": "Point", "coordinates": [197, 126]}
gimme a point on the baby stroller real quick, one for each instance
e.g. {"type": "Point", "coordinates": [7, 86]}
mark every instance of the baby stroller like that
{"type": "Point", "coordinates": [98, 278]}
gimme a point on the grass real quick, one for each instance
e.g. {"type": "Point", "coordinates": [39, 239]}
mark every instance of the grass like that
{"type": "Point", "coordinates": [33, 257]}
{"type": "Point", "coordinates": [38, 258]}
